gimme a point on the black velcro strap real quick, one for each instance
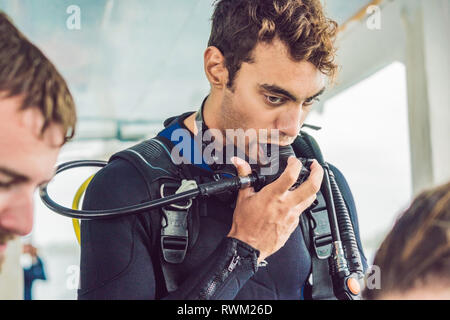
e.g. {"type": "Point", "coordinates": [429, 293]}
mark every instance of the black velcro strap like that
{"type": "Point", "coordinates": [153, 160]}
{"type": "Point", "coordinates": [172, 275]}
{"type": "Point", "coordinates": [322, 285]}
{"type": "Point", "coordinates": [316, 228]}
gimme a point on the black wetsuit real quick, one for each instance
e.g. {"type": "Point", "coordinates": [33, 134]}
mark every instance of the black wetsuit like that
{"type": "Point", "coordinates": [119, 262]}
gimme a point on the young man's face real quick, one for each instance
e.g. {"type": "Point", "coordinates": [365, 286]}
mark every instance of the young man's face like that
{"type": "Point", "coordinates": [272, 92]}
{"type": "Point", "coordinates": [26, 161]}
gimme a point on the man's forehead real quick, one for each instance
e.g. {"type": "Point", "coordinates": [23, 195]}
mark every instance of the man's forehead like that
{"type": "Point", "coordinates": [29, 120]}
{"type": "Point", "coordinates": [272, 64]}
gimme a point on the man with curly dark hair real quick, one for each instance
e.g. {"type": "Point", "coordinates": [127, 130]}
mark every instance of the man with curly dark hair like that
{"type": "Point", "coordinates": [267, 62]}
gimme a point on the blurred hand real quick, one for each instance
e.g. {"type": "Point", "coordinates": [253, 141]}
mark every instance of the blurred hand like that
{"type": "Point", "coordinates": [28, 248]}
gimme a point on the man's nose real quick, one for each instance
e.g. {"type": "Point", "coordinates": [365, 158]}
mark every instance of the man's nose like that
{"type": "Point", "coordinates": [17, 216]}
{"type": "Point", "coordinates": [289, 122]}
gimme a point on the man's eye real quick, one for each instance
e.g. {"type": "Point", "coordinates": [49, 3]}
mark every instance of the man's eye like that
{"type": "Point", "coordinates": [275, 100]}
{"type": "Point", "coordinates": [310, 102]}
{"type": "Point", "coordinates": [5, 185]}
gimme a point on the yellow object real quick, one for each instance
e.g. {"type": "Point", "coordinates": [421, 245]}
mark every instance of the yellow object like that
{"type": "Point", "coordinates": [75, 205]}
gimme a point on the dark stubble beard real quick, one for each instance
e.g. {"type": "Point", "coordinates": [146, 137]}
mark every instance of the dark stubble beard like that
{"type": "Point", "coordinates": [230, 118]}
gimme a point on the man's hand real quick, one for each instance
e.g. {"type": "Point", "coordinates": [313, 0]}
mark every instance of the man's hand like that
{"type": "Point", "coordinates": [266, 219]}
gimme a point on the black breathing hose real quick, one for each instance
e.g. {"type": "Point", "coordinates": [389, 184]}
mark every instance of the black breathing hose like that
{"type": "Point", "coordinates": [204, 190]}
{"type": "Point", "coordinates": [346, 230]}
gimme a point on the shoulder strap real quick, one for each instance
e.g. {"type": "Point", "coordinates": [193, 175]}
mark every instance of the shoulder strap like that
{"type": "Point", "coordinates": [175, 228]}
{"type": "Point", "coordinates": [153, 160]}
{"type": "Point", "coordinates": [316, 229]}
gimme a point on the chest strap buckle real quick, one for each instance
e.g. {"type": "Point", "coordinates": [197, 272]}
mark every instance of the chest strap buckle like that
{"type": "Point", "coordinates": [321, 232]}
{"type": "Point", "coordinates": [174, 226]}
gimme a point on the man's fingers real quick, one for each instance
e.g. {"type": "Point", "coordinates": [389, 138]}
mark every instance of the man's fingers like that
{"type": "Point", "coordinates": [308, 188]}
{"type": "Point", "coordinates": [301, 207]}
{"type": "Point", "coordinates": [243, 169]}
{"type": "Point", "coordinates": [287, 178]}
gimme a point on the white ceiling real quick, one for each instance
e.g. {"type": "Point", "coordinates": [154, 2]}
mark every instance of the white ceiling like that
{"type": "Point", "coordinates": [134, 59]}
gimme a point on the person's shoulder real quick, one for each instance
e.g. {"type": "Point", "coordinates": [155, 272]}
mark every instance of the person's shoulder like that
{"type": "Point", "coordinates": [114, 171]}
{"type": "Point", "coordinates": [118, 183]}
{"type": "Point", "coordinates": [337, 173]}
{"type": "Point", "coordinates": [340, 178]}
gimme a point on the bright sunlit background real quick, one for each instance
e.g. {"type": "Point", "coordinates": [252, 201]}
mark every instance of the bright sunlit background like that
{"type": "Point", "coordinates": [134, 63]}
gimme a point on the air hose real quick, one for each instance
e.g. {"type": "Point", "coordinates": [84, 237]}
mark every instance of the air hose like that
{"type": "Point", "coordinates": [202, 190]}
{"type": "Point", "coordinates": [346, 260]}
{"type": "Point", "coordinates": [346, 230]}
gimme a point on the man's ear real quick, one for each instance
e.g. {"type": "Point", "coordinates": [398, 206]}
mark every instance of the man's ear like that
{"type": "Point", "coordinates": [215, 69]}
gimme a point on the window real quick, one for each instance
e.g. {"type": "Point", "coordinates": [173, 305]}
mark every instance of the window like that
{"type": "Point", "coordinates": [365, 134]}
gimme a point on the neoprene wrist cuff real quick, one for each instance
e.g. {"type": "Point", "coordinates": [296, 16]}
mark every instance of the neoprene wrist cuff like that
{"type": "Point", "coordinates": [246, 252]}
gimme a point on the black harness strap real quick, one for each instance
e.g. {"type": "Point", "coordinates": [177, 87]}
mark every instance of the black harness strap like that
{"type": "Point", "coordinates": [316, 231]}
{"type": "Point", "coordinates": [169, 229]}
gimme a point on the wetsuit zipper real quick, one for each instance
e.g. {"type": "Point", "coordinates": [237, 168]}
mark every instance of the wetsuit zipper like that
{"type": "Point", "coordinates": [221, 277]}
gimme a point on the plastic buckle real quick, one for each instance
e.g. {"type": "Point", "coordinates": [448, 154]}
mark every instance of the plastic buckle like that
{"type": "Point", "coordinates": [174, 236]}
{"type": "Point", "coordinates": [321, 232]}
{"type": "Point", "coordinates": [174, 229]}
